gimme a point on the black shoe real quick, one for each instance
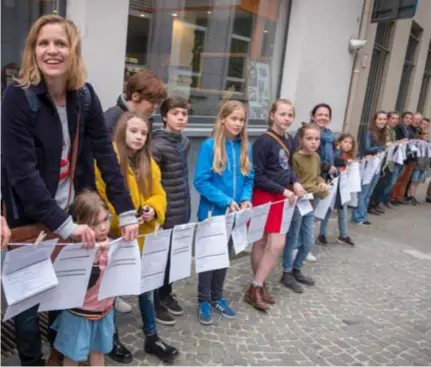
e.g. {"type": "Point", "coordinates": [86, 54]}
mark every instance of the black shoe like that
{"type": "Point", "coordinates": [346, 241]}
{"type": "Point", "coordinates": [301, 278]}
{"type": "Point", "coordinates": [119, 352]}
{"type": "Point", "coordinates": [157, 347]}
{"type": "Point", "coordinates": [163, 317]}
{"type": "Point", "coordinates": [321, 240]}
{"type": "Point", "coordinates": [373, 211]}
{"type": "Point", "coordinates": [428, 200]}
{"type": "Point", "coordinates": [366, 223]}
{"type": "Point", "coordinates": [396, 203]}
{"type": "Point", "coordinates": [289, 281]}
{"type": "Point", "coordinates": [413, 201]}
{"type": "Point", "coordinates": [171, 304]}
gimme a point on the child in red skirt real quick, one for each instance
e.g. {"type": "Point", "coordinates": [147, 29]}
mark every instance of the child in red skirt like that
{"type": "Point", "coordinates": [273, 182]}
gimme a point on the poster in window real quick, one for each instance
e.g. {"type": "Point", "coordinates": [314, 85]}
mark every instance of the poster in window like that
{"type": "Point", "coordinates": [258, 89]}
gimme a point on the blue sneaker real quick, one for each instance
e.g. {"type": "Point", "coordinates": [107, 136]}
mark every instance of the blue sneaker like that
{"type": "Point", "coordinates": [205, 317]}
{"type": "Point", "coordinates": [223, 307]}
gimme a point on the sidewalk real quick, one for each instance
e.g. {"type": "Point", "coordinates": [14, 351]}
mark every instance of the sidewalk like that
{"type": "Point", "coordinates": [371, 306]}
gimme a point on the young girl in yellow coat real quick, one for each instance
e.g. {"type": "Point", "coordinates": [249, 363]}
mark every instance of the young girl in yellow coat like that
{"type": "Point", "coordinates": [132, 143]}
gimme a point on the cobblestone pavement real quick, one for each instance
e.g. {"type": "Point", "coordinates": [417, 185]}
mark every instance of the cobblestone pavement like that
{"type": "Point", "coordinates": [371, 306]}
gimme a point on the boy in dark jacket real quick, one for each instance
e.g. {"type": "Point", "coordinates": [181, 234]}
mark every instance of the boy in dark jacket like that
{"type": "Point", "coordinates": [144, 92]}
{"type": "Point", "coordinates": [170, 150]}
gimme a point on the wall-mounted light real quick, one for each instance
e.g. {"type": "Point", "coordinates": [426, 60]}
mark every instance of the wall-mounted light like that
{"type": "Point", "coordinates": [54, 11]}
{"type": "Point", "coordinates": [355, 44]}
{"type": "Point", "coordinates": [174, 14]}
{"type": "Point", "coordinates": [265, 31]}
{"type": "Point", "coordinates": [208, 12]}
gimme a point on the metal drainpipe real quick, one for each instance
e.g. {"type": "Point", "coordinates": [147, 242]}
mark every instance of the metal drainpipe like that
{"type": "Point", "coordinates": [363, 28]}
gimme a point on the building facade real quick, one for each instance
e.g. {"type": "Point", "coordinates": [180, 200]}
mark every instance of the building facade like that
{"type": "Point", "coordinates": [250, 50]}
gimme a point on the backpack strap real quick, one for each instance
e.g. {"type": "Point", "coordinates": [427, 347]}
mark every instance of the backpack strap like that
{"type": "Point", "coordinates": [278, 140]}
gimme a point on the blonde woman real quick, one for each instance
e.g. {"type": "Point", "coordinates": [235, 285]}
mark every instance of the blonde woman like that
{"type": "Point", "coordinates": [50, 116]}
{"type": "Point", "coordinates": [224, 180]}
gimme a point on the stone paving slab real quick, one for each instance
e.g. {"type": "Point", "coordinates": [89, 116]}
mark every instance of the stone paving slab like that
{"type": "Point", "coordinates": [371, 306]}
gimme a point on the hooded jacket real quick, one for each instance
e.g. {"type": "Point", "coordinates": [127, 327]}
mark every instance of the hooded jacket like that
{"type": "Point", "coordinates": [170, 152]}
{"type": "Point", "coordinates": [113, 114]}
{"type": "Point", "coordinates": [218, 191]}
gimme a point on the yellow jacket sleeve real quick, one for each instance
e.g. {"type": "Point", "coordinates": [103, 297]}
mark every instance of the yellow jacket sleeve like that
{"type": "Point", "coordinates": [157, 200]}
{"type": "Point", "coordinates": [101, 190]}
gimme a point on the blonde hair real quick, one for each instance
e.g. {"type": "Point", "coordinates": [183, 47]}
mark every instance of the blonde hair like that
{"type": "Point", "coordinates": [219, 134]}
{"type": "Point", "coordinates": [274, 108]}
{"type": "Point", "coordinates": [86, 207]}
{"type": "Point", "coordinates": [30, 73]}
{"type": "Point", "coordinates": [142, 157]}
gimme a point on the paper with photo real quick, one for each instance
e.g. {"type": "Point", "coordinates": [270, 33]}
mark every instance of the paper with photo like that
{"type": "Point", "coordinates": [17, 308]}
{"type": "Point", "coordinates": [258, 220]}
{"type": "Point", "coordinates": [354, 177]}
{"type": "Point", "coordinates": [304, 206]}
{"type": "Point", "coordinates": [181, 251]}
{"type": "Point", "coordinates": [327, 203]}
{"type": "Point", "coordinates": [123, 272]}
{"type": "Point", "coordinates": [345, 189]}
{"type": "Point", "coordinates": [154, 260]}
{"type": "Point", "coordinates": [28, 271]}
{"type": "Point", "coordinates": [73, 268]}
{"type": "Point", "coordinates": [211, 245]}
{"type": "Point", "coordinates": [288, 211]}
{"type": "Point", "coordinates": [230, 221]}
{"type": "Point", "coordinates": [368, 172]}
{"type": "Point", "coordinates": [239, 233]}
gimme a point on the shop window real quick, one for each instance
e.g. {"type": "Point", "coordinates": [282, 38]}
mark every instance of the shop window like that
{"type": "Point", "coordinates": [17, 16]}
{"type": "Point", "coordinates": [211, 50]}
{"type": "Point", "coordinates": [409, 65]}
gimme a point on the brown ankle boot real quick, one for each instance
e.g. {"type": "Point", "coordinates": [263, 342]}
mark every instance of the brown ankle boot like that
{"type": "Point", "coordinates": [254, 298]}
{"type": "Point", "coordinates": [267, 298]}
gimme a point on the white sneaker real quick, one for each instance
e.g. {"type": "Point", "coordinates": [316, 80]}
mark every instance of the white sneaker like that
{"type": "Point", "coordinates": [311, 258]}
{"type": "Point", "coordinates": [121, 306]}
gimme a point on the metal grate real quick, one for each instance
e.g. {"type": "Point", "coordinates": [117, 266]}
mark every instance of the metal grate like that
{"type": "Point", "coordinates": [8, 345]}
{"type": "Point", "coordinates": [409, 65]}
{"type": "Point", "coordinates": [426, 83]}
{"type": "Point", "coordinates": [377, 70]}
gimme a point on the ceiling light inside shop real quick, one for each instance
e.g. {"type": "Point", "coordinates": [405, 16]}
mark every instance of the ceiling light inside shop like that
{"type": "Point", "coordinates": [142, 15]}
{"type": "Point", "coordinates": [174, 14]}
{"type": "Point", "coordinates": [265, 31]}
{"type": "Point", "coordinates": [208, 12]}
{"type": "Point", "coordinates": [54, 11]}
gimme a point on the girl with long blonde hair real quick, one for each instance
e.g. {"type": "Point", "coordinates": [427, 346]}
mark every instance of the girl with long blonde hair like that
{"type": "Point", "coordinates": [224, 180]}
{"type": "Point", "coordinates": [132, 142]}
{"type": "Point", "coordinates": [45, 162]}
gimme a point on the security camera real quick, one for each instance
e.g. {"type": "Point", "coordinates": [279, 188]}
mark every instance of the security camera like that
{"type": "Point", "coordinates": [355, 44]}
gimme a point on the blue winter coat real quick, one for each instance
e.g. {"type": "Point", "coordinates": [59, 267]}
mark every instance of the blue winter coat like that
{"type": "Point", "coordinates": [218, 191]}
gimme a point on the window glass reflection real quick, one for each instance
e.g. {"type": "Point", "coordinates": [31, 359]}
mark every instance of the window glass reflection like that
{"type": "Point", "coordinates": [210, 50]}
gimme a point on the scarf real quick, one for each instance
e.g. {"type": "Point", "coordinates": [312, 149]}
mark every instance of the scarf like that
{"type": "Point", "coordinates": [327, 139]}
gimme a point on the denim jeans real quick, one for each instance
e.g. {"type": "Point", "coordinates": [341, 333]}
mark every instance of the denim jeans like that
{"type": "Point", "coordinates": [28, 339]}
{"type": "Point", "coordinates": [359, 213]}
{"type": "Point", "coordinates": [301, 237]}
{"type": "Point", "coordinates": [211, 284]}
{"type": "Point", "coordinates": [342, 225]}
{"type": "Point", "coordinates": [148, 313]}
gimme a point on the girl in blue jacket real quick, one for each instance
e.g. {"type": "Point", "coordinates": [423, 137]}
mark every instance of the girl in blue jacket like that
{"type": "Point", "coordinates": [224, 180]}
{"type": "Point", "coordinates": [374, 142]}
